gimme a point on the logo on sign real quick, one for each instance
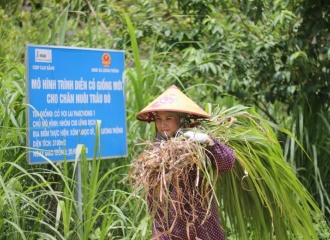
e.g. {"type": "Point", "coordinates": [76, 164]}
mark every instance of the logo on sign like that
{"type": "Point", "coordinates": [43, 55]}
{"type": "Point", "coordinates": [106, 59]}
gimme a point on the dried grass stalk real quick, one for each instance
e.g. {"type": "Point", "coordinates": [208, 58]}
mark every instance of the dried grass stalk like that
{"type": "Point", "coordinates": [173, 173]}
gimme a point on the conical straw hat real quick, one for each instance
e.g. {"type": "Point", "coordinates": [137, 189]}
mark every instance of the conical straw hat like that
{"type": "Point", "coordinates": [172, 100]}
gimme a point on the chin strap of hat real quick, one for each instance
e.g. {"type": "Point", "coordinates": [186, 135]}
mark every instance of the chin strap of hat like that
{"type": "Point", "coordinates": [195, 123]}
{"type": "Point", "coordinates": [150, 117]}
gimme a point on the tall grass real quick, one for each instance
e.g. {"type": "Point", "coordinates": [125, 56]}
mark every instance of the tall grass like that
{"type": "Point", "coordinates": [313, 132]}
{"type": "Point", "coordinates": [32, 208]}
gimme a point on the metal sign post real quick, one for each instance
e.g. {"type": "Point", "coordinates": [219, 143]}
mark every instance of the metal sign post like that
{"type": "Point", "coordinates": [79, 196]}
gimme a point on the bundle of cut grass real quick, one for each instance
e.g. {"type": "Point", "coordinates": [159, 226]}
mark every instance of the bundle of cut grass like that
{"type": "Point", "coordinates": [262, 196]}
{"type": "Point", "coordinates": [178, 164]}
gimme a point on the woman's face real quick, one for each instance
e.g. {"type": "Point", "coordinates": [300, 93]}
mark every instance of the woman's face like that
{"type": "Point", "coordinates": [167, 123]}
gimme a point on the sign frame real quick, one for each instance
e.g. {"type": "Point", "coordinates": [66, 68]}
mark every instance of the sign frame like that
{"type": "Point", "coordinates": [70, 91]}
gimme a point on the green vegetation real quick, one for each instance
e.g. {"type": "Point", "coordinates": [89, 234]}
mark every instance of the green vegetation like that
{"type": "Point", "coordinates": [272, 56]}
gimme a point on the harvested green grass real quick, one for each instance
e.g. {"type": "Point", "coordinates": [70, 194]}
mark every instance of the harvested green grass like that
{"type": "Point", "coordinates": [262, 192]}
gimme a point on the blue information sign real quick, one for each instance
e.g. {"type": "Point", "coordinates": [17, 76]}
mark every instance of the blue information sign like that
{"type": "Point", "coordinates": [68, 90]}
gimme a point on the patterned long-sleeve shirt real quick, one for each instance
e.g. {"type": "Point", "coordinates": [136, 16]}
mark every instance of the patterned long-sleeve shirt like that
{"type": "Point", "coordinates": [183, 225]}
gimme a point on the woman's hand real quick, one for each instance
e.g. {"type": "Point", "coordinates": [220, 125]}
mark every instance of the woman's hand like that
{"type": "Point", "coordinates": [199, 137]}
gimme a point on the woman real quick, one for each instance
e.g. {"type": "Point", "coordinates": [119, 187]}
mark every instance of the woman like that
{"type": "Point", "coordinates": [172, 111]}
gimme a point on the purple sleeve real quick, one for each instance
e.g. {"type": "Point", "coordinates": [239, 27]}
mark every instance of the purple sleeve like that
{"type": "Point", "coordinates": [221, 156]}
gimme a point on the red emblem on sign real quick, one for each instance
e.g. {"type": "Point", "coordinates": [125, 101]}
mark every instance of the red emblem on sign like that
{"type": "Point", "coordinates": [106, 59]}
